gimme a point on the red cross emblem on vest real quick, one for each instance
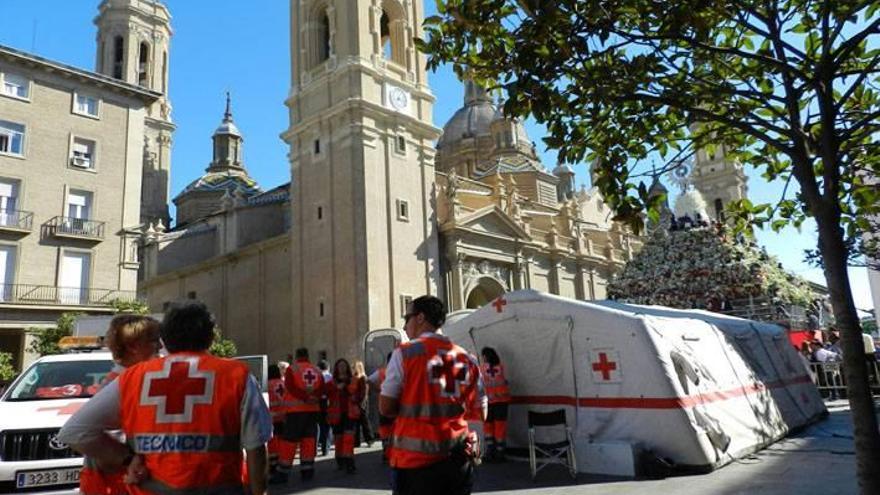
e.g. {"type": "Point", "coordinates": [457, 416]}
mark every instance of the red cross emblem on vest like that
{"type": "Point", "coordinates": [309, 377]}
{"type": "Point", "coordinates": [605, 365]}
{"type": "Point", "coordinates": [177, 388]}
{"type": "Point", "coordinates": [446, 371]}
{"type": "Point", "coordinates": [499, 304]}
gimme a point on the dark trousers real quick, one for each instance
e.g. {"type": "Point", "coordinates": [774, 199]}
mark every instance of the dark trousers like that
{"type": "Point", "coordinates": [454, 476]}
{"type": "Point", "coordinates": [323, 432]}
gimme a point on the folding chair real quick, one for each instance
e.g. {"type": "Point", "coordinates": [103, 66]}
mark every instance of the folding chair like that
{"type": "Point", "coordinates": [551, 453]}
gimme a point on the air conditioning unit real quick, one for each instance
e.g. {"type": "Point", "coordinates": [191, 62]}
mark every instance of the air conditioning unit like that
{"type": "Point", "coordinates": [81, 162]}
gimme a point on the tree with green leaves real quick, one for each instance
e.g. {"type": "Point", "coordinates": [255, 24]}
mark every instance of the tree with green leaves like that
{"type": "Point", "coordinates": [46, 339]}
{"type": "Point", "coordinates": [789, 87]}
{"type": "Point", "coordinates": [7, 370]}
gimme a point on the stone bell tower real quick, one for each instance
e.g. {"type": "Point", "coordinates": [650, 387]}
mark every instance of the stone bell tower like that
{"type": "Point", "coordinates": [364, 236]}
{"type": "Point", "coordinates": [133, 43]}
{"type": "Point", "coordinates": [719, 179]}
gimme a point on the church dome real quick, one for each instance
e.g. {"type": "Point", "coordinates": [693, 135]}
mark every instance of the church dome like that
{"type": "Point", "coordinates": [471, 120]}
{"type": "Point", "coordinates": [231, 181]}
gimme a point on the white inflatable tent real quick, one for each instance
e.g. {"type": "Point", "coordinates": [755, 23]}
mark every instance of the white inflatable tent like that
{"type": "Point", "coordinates": [692, 388]}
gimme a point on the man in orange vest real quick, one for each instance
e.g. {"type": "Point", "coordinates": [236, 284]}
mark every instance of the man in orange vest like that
{"type": "Point", "coordinates": [376, 379]}
{"type": "Point", "coordinates": [278, 410]}
{"type": "Point", "coordinates": [431, 386]}
{"type": "Point", "coordinates": [498, 390]}
{"type": "Point", "coordinates": [186, 417]}
{"type": "Point", "coordinates": [305, 386]}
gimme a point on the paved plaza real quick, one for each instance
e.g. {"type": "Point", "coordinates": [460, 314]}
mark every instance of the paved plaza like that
{"type": "Point", "coordinates": [819, 460]}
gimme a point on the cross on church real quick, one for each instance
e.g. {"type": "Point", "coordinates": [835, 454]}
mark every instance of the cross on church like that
{"type": "Point", "coordinates": [499, 303]}
{"type": "Point", "coordinates": [447, 373]}
{"type": "Point", "coordinates": [604, 366]}
{"type": "Point", "coordinates": [309, 377]}
{"type": "Point", "coordinates": [176, 387]}
{"type": "Point", "coordinates": [67, 409]}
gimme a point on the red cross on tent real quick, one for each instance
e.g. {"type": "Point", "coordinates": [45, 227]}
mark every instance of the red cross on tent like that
{"type": "Point", "coordinates": [499, 304]}
{"type": "Point", "coordinates": [66, 409]}
{"type": "Point", "coordinates": [605, 364]}
{"type": "Point", "coordinates": [447, 372]}
{"type": "Point", "coordinates": [177, 388]}
{"type": "Point", "coordinates": [309, 377]}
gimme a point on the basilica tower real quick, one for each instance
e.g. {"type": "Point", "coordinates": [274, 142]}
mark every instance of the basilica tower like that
{"type": "Point", "coordinates": [719, 179]}
{"type": "Point", "coordinates": [133, 43]}
{"type": "Point", "coordinates": [364, 236]}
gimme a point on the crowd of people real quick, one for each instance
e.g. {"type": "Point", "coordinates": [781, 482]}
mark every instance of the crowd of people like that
{"type": "Point", "coordinates": [190, 422]}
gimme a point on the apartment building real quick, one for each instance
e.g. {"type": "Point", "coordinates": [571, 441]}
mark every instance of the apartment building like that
{"type": "Point", "coordinates": [72, 152]}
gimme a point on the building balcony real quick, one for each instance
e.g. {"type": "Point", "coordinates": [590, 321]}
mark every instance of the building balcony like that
{"type": "Point", "coordinates": [50, 295]}
{"type": "Point", "coordinates": [16, 221]}
{"type": "Point", "coordinates": [76, 228]}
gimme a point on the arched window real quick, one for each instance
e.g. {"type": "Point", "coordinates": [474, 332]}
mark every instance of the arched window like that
{"type": "Point", "coordinates": [323, 38]}
{"type": "Point", "coordinates": [118, 56]}
{"type": "Point", "coordinates": [164, 72]}
{"type": "Point", "coordinates": [385, 36]}
{"type": "Point", "coordinates": [143, 63]}
{"type": "Point", "coordinates": [719, 209]}
{"type": "Point", "coordinates": [317, 36]}
{"type": "Point", "coordinates": [392, 32]}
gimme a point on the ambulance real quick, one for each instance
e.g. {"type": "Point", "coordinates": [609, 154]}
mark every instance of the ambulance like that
{"type": "Point", "coordinates": [38, 403]}
{"type": "Point", "coordinates": [35, 407]}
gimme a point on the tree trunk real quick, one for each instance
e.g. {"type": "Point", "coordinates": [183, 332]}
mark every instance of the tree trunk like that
{"type": "Point", "coordinates": [867, 437]}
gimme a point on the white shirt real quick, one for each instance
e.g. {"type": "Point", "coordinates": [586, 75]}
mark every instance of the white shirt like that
{"type": "Point", "coordinates": [101, 414]}
{"type": "Point", "coordinates": [825, 356]}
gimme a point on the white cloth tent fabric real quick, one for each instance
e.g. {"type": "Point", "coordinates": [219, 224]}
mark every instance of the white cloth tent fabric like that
{"type": "Point", "coordinates": [693, 388]}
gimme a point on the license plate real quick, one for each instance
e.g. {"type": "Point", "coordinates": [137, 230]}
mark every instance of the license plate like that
{"type": "Point", "coordinates": [47, 477]}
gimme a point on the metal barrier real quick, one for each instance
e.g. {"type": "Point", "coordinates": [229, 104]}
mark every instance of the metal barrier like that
{"type": "Point", "coordinates": [831, 380]}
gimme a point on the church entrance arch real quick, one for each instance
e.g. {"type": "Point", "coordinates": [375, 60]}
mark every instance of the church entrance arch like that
{"type": "Point", "coordinates": [486, 290]}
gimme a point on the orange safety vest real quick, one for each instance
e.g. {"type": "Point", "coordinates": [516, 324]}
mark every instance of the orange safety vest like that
{"type": "Point", "coordinates": [305, 384]}
{"type": "Point", "coordinates": [183, 414]}
{"type": "Point", "coordinates": [93, 480]}
{"type": "Point", "coordinates": [496, 384]}
{"type": "Point", "coordinates": [278, 396]}
{"type": "Point", "coordinates": [439, 384]}
{"type": "Point", "coordinates": [348, 399]}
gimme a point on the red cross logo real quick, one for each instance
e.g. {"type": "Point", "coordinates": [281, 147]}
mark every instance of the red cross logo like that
{"type": "Point", "coordinates": [499, 304]}
{"type": "Point", "coordinates": [604, 366]}
{"type": "Point", "coordinates": [446, 371]}
{"type": "Point", "coordinates": [66, 409]}
{"type": "Point", "coordinates": [309, 377]}
{"type": "Point", "coordinates": [177, 388]}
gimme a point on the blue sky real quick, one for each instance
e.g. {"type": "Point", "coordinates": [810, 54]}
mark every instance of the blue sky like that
{"type": "Point", "coordinates": [219, 46]}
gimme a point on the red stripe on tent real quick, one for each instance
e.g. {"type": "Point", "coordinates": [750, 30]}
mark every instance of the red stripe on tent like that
{"type": "Point", "coordinates": [657, 402]}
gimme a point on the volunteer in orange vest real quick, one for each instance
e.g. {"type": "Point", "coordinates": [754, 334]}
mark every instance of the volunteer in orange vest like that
{"type": "Point", "coordinates": [131, 340]}
{"type": "Point", "coordinates": [495, 426]}
{"type": "Point", "coordinates": [186, 417]}
{"type": "Point", "coordinates": [385, 423]}
{"type": "Point", "coordinates": [278, 409]}
{"type": "Point", "coordinates": [305, 385]}
{"type": "Point", "coordinates": [431, 386]}
{"type": "Point", "coordinates": [344, 394]}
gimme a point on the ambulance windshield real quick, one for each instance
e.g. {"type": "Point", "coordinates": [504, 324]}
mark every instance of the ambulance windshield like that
{"type": "Point", "coordinates": [60, 380]}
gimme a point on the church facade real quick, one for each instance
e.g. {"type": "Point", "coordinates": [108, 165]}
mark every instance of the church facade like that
{"type": "Point", "coordinates": [382, 205]}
